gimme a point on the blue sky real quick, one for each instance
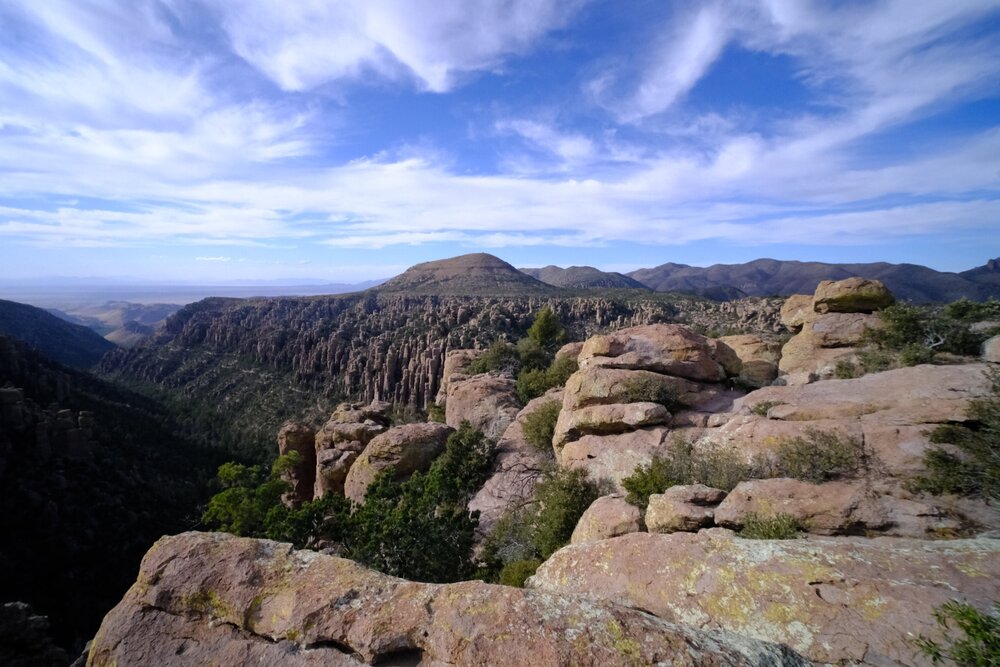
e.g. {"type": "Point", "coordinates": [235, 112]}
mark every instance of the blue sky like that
{"type": "Point", "coordinates": [206, 140]}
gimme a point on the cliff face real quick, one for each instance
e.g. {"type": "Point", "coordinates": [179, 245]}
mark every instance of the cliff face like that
{"type": "Point", "coordinates": [248, 365]}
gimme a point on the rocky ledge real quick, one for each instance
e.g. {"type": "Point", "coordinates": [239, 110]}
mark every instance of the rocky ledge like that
{"type": "Point", "coordinates": [210, 598]}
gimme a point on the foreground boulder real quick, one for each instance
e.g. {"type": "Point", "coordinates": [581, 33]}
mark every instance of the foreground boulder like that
{"type": "Point", "coordinates": [608, 516]}
{"type": "Point", "coordinates": [835, 600]}
{"type": "Point", "coordinates": [209, 598]}
{"type": "Point", "coordinates": [406, 449]}
{"type": "Point", "coordinates": [683, 507]}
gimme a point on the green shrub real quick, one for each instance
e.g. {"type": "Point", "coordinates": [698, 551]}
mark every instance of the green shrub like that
{"type": "Point", "coordinates": [540, 426]}
{"type": "Point", "coordinates": [819, 456]}
{"type": "Point", "coordinates": [436, 412]}
{"type": "Point", "coordinates": [875, 360]}
{"type": "Point", "coordinates": [546, 330]}
{"type": "Point", "coordinates": [761, 408]}
{"type": "Point", "coordinates": [649, 389]}
{"type": "Point", "coordinates": [845, 370]}
{"type": "Point", "coordinates": [973, 466]}
{"type": "Point", "coordinates": [500, 356]}
{"type": "Point", "coordinates": [532, 383]}
{"type": "Point", "coordinates": [684, 464]}
{"type": "Point", "coordinates": [516, 573]}
{"type": "Point", "coordinates": [912, 335]}
{"type": "Point", "coordinates": [248, 494]}
{"type": "Point", "coordinates": [979, 643]}
{"type": "Point", "coordinates": [775, 527]}
{"type": "Point", "coordinates": [562, 498]}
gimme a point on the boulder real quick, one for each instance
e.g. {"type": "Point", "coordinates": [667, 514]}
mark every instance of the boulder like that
{"type": "Point", "coordinates": [835, 600]}
{"type": "Point", "coordinates": [608, 516]}
{"type": "Point", "coordinates": [831, 508]}
{"type": "Point", "coordinates": [758, 358]}
{"type": "Point", "coordinates": [406, 448]}
{"type": "Point", "coordinates": [516, 469]}
{"type": "Point", "coordinates": [612, 458]}
{"type": "Point", "coordinates": [569, 350]}
{"type": "Point", "coordinates": [797, 310]}
{"type": "Point", "coordinates": [332, 466]}
{"type": "Point", "coordinates": [298, 438]}
{"type": "Point", "coordinates": [991, 350]}
{"type": "Point", "coordinates": [339, 442]}
{"type": "Point", "coordinates": [684, 507]}
{"type": "Point", "coordinates": [852, 295]}
{"type": "Point", "coordinates": [670, 349]}
{"type": "Point", "coordinates": [601, 386]}
{"type": "Point", "coordinates": [607, 419]}
{"type": "Point", "coordinates": [358, 413]}
{"type": "Point", "coordinates": [210, 598]}
{"type": "Point", "coordinates": [842, 329]}
{"type": "Point", "coordinates": [487, 401]}
{"type": "Point", "coordinates": [455, 362]}
{"type": "Point", "coordinates": [812, 352]}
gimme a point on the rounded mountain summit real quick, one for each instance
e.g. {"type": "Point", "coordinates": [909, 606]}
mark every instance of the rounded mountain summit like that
{"type": "Point", "coordinates": [474, 274]}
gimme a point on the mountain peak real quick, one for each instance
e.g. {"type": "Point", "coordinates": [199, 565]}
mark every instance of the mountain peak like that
{"type": "Point", "coordinates": [472, 274]}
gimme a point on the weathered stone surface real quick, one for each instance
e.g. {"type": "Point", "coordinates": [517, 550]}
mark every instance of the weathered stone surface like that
{"type": "Point", "coordinates": [614, 457]}
{"type": "Point", "coordinates": [456, 361]}
{"type": "Point", "coordinates": [488, 402]}
{"type": "Point", "coordinates": [852, 295]}
{"type": "Point", "coordinates": [601, 386]}
{"type": "Point", "coordinates": [608, 516]}
{"type": "Point", "coordinates": [670, 349]}
{"type": "Point", "coordinates": [517, 467]}
{"type": "Point", "coordinates": [332, 466]}
{"type": "Point", "coordinates": [991, 350]}
{"type": "Point", "coordinates": [350, 428]}
{"type": "Point", "coordinates": [831, 508]}
{"type": "Point", "coordinates": [684, 507]}
{"type": "Point", "coordinates": [607, 419]}
{"type": "Point", "coordinates": [797, 310]}
{"type": "Point", "coordinates": [216, 599]}
{"type": "Point", "coordinates": [358, 413]}
{"type": "Point", "coordinates": [569, 350]}
{"type": "Point", "coordinates": [843, 329]}
{"type": "Point", "coordinates": [406, 448]}
{"type": "Point", "coordinates": [835, 600]}
{"type": "Point", "coordinates": [298, 438]}
{"type": "Point", "coordinates": [823, 342]}
{"type": "Point", "coordinates": [758, 358]}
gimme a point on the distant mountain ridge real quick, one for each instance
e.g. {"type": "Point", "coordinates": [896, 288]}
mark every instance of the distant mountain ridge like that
{"type": "Point", "coordinates": [583, 277]}
{"type": "Point", "coordinates": [765, 277]}
{"type": "Point", "coordinates": [70, 344]}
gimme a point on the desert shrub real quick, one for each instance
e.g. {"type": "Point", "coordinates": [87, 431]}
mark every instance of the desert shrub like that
{"type": "Point", "coordinates": [248, 494]}
{"type": "Point", "coordinates": [761, 408]}
{"type": "Point", "coordinates": [532, 383]}
{"type": "Point", "coordinates": [845, 370]}
{"type": "Point", "coordinates": [819, 456]}
{"type": "Point", "coordinates": [436, 412]}
{"type": "Point", "coordinates": [510, 540]}
{"type": "Point", "coordinates": [972, 467]}
{"type": "Point", "coordinates": [649, 389]}
{"type": "Point", "coordinates": [774, 527]}
{"type": "Point", "coordinates": [546, 330]}
{"type": "Point", "coordinates": [516, 573]}
{"type": "Point", "coordinates": [531, 355]}
{"type": "Point", "coordinates": [979, 642]}
{"type": "Point", "coordinates": [912, 334]}
{"type": "Point", "coordinates": [965, 310]}
{"type": "Point", "coordinates": [540, 426]}
{"type": "Point", "coordinates": [500, 356]}
{"type": "Point", "coordinates": [684, 464]}
{"type": "Point", "coordinates": [875, 360]}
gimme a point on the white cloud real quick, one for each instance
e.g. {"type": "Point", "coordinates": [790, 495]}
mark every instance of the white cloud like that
{"type": "Point", "coordinates": [304, 44]}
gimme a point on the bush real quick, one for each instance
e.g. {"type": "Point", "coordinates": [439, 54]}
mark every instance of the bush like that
{"type": "Point", "coordinates": [516, 573]}
{"type": "Point", "coordinates": [649, 389]}
{"type": "Point", "coordinates": [540, 426]}
{"type": "Point", "coordinates": [248, 495]}
{"type": "Point", "coordinates": [979, 645]}
{"type": "Point", "coordinates": [913, 335]}
{"type": "Point", "coordinates": [546, 330]}
{"type": "Point", "coordinates": [501, 356]}
{"type": "Point", "coordinates": [775, 527]}
{"type": "Point", "coordinates": [819, 456]}
{"type": "Point", "coordinates": [761, 408]}
{"type": "Point", "coordinates": [683, 464]}
{"type": "Point", "coordinates": [436, 413]}
{"type": "Point", "coordinates": [845, 370]}
{"type": "Point", "coordinates": [973, 467]}
{"type": "Point", "coordinates": [533, 383]}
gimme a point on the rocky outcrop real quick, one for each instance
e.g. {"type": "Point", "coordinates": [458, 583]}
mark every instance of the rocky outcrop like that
{"type": "Point", "coordinates": [670, 349]}
{"type": "Point", "coordinates": [455, 362]}
{"type": "Point", "coordinates": [217, 599]}
{"type": "Point", "coordinates": [487, 401]}
{"type": "Point", "coordinates": [835, 600]}
{"type": "Point", "coordinates": [406, 449]}
{"type": "Point", "coordinates": [342, 439]}
{"type": "Point", "coordinates": [685, 507]}
{"type": "Point", "coordinates": [298, 438]}
{"type": "Point", "coordinates": [516, 469]}
{"type": "Point", "coordinates": [852, 295]}
{"type": "Point", "coordinates": [608, 516]}
{"type": "Point", "coordinates": [991, 350]}
{"type": "Point", "coordinates": [758, 358]}
{"type": "Point", "coordinates": [797, 310]}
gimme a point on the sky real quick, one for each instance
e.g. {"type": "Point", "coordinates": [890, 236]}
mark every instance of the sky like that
{"type": "Point", "coordinates": [207, 140]}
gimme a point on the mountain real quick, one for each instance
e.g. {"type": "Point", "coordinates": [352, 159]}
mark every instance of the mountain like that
{"type": "Point", "coordinates": [764, 277]}
{"type": "Point", "coordinates": [474, 274]}
{"type": "Point", "coordinates": [65, 342]}
{"type": "Point", "coordinates": [582, 277]}
{"type": "Point", "coordinates": [91, 475]}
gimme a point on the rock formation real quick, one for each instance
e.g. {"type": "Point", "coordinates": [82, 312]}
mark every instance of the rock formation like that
{"type": "Point", "coordinates": [216, 599]}
{"type": "Point", "coordinates": [299, 438]}
{"type": "Point", "coordinates": [608, 516]}
{"type": "Point", "coordinates": [406, 449]}
{"type": "Point", "coordinates": [846, 600]}
{"type": "Point", "coordinates": [342, 439]}
{"type": "Point", "coordinates": [487, 401]}
{"type": "Point", "coordinates": [686, 507]}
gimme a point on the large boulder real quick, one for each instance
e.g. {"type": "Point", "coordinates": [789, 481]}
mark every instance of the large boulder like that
{"type": "Point", "coordinates": [797, 310]}
{"type": "Point", "coordinates": [670, 349]}
{"type": "Point", "coordinates": [607, 419]}
{"type": "Point", "coordinates": [569, 351]}
{"type": "Point", "coordinates": [758, 358]}
{"type": "Point", "coordinates": [210, 598]}
{"type": "Point", "coordinates": [406, 449]}
{"type": "Point", "coordinates": [612, 458]}
{"type": "Point", "coordinates": [455, 362]}
{"type": "Point", "coordinates": [487, 401]}
{"type": "Point", "coordinates": [517, 467]}
{"type": "Point", "coordinates": [608, 516]}
{"type": "Point", "coordinates": [824, 341]}
{"type": "Point", "coordinates": [683, 507]}
{"type": "Point", "coordinates": [991, 350]}
{"type": "Point", "coordinates": [298, 438]}
{"type": "Point", "coordinates": [835, 600]}
{"type": "Point", "coordinates": [852, 295]}
{"type": "Point", "coordinates": [601, 386]}
{"type": "Point", "coordinates": [342, 439]}
{"type": "Point", "coordinates": [831, 508]}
